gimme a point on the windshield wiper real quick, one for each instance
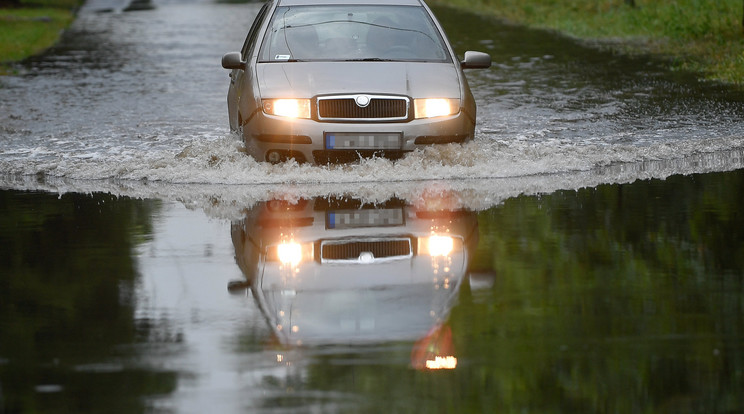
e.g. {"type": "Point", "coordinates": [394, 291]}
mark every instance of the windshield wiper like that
{"type": "Point", "coordinates": [372, 59]}
{"type": "Point", "coordinates": [283, 61]}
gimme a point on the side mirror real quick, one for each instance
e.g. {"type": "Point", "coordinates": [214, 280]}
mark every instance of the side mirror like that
{"type": "Point", "coordinates": [475, 60]}
{"type": "Point", "coordinates": [233, 60]}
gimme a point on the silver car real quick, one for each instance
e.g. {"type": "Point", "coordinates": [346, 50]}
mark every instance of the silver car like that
{"type": "Point", "coordinates": [326, 80]}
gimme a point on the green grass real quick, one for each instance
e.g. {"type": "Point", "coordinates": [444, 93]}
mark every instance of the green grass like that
{"type": "Point", "coordinates": [25, 32]}
{"type": "Point", "coordinates": [700, 35]}
{"type": "Point", "coordinates": [32, 28]}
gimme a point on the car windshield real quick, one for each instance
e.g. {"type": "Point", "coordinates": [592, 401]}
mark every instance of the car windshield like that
{"type": "Point", "coordinates": [352, 33]}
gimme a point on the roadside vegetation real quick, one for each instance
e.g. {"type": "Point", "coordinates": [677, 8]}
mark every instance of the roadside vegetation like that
{"type": "Point", "coordinates": [28, 27]}
{"type": "Point", "coordinates": [705, 36]}
{"type": "Point", "coordinates": [700, 35]}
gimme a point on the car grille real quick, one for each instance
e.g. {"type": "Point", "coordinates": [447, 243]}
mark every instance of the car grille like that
{"type": "Point", "coordinates": [379, 108]}
{"type": "Point", "coordinates": [350, 250]}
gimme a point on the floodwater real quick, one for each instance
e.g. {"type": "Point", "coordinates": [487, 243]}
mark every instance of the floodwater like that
{"type": "Point", "coordinates": [585, 253]}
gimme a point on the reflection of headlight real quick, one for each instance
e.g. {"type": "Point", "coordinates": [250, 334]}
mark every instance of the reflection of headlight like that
{"type": "Point", "coordinates": [290, 253]}
{"type": "Point", "coordinates": [430, 108]}
{"type": "Point", "coordinates": [293, 108]}
{"type": "Point", "coordinates": [440, 245]}
{"type": "Point", "coordinates": [437, 245]}
{"type": "Point", "coordinates": [446, 362]}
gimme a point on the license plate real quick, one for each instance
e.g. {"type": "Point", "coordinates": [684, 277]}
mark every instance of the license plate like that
{"type": "Point", "coordinates": [346, 140]}
{"type": "Point", "coordinates": [348, 219]}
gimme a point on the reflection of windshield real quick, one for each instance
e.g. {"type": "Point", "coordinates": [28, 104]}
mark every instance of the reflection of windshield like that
{"type": "Point", "coordinates": [348, 33]}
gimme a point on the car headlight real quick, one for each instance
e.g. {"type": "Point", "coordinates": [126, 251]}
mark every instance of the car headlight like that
{"type": "Point", "coordinates": [292, 108]}
{"type": "Point", "coordinates": [433, 107]}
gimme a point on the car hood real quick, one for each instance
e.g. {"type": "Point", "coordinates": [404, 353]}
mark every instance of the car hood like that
{"type": "Point", "coordinates": [309, 79]}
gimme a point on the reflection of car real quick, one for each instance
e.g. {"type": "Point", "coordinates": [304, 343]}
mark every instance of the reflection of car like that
{"type": "Point", "coordinates": [332, 271]}
{"type": "Point", "coordinates": [322, 80]}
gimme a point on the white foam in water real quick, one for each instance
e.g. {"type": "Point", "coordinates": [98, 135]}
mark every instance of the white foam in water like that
{"type": "Point", "coordinates": [217, 177]}
{"type": "Point", "coordinates": [222, 161]}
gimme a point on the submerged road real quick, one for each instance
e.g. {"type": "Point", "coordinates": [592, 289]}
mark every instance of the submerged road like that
{"type": "Point", "coordinates": [140, 96]}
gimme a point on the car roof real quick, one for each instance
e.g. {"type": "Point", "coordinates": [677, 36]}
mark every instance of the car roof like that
{"type": "Point", "coordinates": [349, 2]}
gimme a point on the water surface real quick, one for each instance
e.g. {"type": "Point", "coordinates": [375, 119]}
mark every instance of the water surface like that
{"type": "Point", "coordinates": [595, 262]}
{"type": "Point", "coordinates": [140, 96]}
{"type": "Point", "coordinates": [610, 299]}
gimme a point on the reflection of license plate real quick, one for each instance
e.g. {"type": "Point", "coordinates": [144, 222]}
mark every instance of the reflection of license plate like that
{"type": "Point", "coordinates": [348, 219]}
{"type": "Point", "coordinates": [347, 140]}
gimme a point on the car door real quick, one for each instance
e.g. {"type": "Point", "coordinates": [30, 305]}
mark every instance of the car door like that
{"type": "Point", "coordinates": [239, 77]}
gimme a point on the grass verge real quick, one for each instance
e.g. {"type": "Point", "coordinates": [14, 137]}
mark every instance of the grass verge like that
{"type": "Point", "coordinates": [30, 28]}
{"type": "Point", "coordinates": [705, 36]}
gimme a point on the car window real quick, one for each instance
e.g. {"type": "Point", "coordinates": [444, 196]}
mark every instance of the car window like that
{"type": "Point", "coordinates": [253, 32]}
{"type": "Point", "coordinates": [343, 32]}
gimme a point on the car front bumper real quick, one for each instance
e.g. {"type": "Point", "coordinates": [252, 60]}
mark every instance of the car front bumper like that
{"type": "Point", "coordinates": [274, 139]}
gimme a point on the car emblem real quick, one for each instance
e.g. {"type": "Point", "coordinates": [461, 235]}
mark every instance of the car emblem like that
{"type": "Point", "coordinates": [366, 257]}
{"type": "Point", "coordinates": [362, 100]}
